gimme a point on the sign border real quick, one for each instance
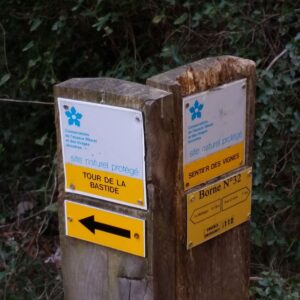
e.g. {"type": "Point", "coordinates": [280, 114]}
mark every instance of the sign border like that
{"type": "Point", "coordinates": [244, 80]}
{"type": "Point", "coordinates": [244, 169]}
{"type": "Point", "coordinates": [145, 205]}
{"type": "Point", "coordinates": [108, 211]}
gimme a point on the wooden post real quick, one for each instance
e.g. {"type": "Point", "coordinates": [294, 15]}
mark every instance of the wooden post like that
{"type": "Point", "coordinates": [92, 271]}
{"type": "Point", "coordinates": [95, 264]}
{"type": "Point", "coordinates": [218, 268]}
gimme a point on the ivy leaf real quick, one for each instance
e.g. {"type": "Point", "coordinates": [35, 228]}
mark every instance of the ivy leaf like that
{"type": "Point", "coordinates": [53, 207]}
{"type": "Point", "coordinates": [181, 19]}
{"type": "Point", "coordinates": [157, 19]}
{"type": "Point", "coordinates": [35, 24]}
{"type": "Point", "coordinates": [101, 22]}
{"type": "Point", "coordinates": [28, 46]}
{"type": "Point", "coordinates": [4, 79]}
{"type": "Point", "coordinates": [41, 141]}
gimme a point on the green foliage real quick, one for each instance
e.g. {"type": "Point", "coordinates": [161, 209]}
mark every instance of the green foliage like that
{"type": "Point", "coordinates": [45, 42]}
{"type": "Point", "coordinates": [271, 286]}
{"type": "Point", "coordinates": [277, 156]}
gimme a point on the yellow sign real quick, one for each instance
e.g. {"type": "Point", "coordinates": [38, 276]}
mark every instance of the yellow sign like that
{"type": "Point", "coordinates": [105, 228]}
{"type": "Point", "coordinates": [218, 208]}
{"type": "Point", "coordinates": [105, 184]}
{"type": "Point", "coordinates": [213, 165]}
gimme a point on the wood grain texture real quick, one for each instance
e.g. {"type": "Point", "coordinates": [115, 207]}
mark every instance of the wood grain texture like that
{"type": "Point", "coordinates": [219, 268]}
{"type": "Point", "coordinates": [93, 272]}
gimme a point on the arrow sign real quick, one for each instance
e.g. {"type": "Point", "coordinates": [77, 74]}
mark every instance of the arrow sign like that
{"type": "Point", "coordinates": [92, 225]}
{"type": "Point", "coordinates": [106, 228]}
{"type": "Point", "coordinates": [235, 198]}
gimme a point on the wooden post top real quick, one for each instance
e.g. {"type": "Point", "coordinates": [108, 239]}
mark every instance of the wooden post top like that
{"type": "Point", "coordinates": [97, 89]}
{"type": "Point", "coordinates": [204, 74]}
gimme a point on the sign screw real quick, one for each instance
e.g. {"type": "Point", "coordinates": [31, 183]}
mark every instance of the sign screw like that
{"type": "Point", "coordinates": [190, 245]}
{"type": "Point", "coordinates": [136, 236]}
{"type": "Point", "coordinates": [241, 162]}
{"type": "Point", "coordinates": [137, 118]}
{"type": "Point", "coordinates": [72, 186]}
{"type": "Point", "coordinates": [187, 105]}
{"type": "Point", "coordinates": [249, 173]}
{"type": "Point", "coordinates": [140, 202]}
{"type": "Point", "coordinates": [193, 199]}
{"type": "Point", "coordinates": [70, 219]}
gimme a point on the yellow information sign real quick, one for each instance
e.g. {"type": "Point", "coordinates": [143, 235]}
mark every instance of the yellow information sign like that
{"type": "Point", "coordinates": [213, 165]}
{"type": "Point", "coordinates": [117, 188]}
{"type": "Point", "coordinates": [105, 228]}
{"type": "Point", "coordinates": [218, 207]}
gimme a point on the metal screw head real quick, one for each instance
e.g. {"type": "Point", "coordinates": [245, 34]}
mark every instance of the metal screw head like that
{"type": "Point", "coordinates": [187, 105]}
{"type": "Point", "coordinates": [241, 162]}
{"type": "Point", "coordinates": [192, 199]}
{"type": "Point", "coordinates": [136, 236]}
{"type": "Point", "coordinates": [69, 219]}
{"type": "Point", "coordinates": [66, 107]}
{"type": "Point", "coordinates": [140, 202]}
{"type": "Point", "coordinates": [190, 245]}
{"type": "Point", "coordinates": [249, 172]}
{"type": "Point", "coordinates": [72, 186]}
{"type": "Point", "coordinates": [137, 118]}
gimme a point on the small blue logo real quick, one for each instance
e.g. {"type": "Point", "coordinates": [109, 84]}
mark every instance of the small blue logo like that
{"type": "Point", "coordinates": [195, 110]}
{"type": "Point", "coordinates": [73, 116]}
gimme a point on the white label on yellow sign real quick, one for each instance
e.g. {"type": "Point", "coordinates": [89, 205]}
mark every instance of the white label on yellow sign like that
{"type": "Point", "coordinates": [214, 124]}
{"type": "Point", "coordinates": [218, 207]}
{"type": "Point", "coordinates": [103, 151]}
{"type": "Point", "coordinates": [105, 228]}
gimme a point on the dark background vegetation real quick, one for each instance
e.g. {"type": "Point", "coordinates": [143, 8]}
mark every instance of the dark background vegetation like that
{"type": "Point", "coordinates": [45, 42]}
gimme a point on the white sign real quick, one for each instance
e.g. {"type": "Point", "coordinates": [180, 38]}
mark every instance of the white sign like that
{"type": "Point", "coordinates": [213, 121]}
{"type": "Point", "coordinates": [103, 151]}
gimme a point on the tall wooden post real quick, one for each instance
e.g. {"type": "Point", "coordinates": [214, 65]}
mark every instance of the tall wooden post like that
{"type": "Point", "coordinates": [125, 203]}
{"type": "Point", "coordinates": [219, 267]}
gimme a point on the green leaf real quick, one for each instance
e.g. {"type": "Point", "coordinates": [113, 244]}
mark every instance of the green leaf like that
{"type": "Point", "coordinates": [157, 19]}
{"type": "Point", "coordinates": [36, 24]}
{"type": "Point", "coordinates": [41, 141]}
{"type": "Point", "coordinates": [53, 207]}
{"type": "Point", "coordinates": [101, 22]}
{"type": "Point", "coordinates": [28, 46]}
{"type": "Point", "coordinates": [2, 275]}
{"type": "Point", "coordinates": [4, 79]}
{"type": "Point", "coordinates": [55, 26]}
{"type": "Point", "coordinates": [297, 37]}
{"type": "Point", "coordinates": [181, 19]}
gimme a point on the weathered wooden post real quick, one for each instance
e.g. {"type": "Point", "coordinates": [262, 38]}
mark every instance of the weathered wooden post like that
{"type": "Point", "coordinates": [140, 198]}
{"type": "Point", "coordinates": [117, 166]}
{"type": "Point", "coordinates": [214, 101]}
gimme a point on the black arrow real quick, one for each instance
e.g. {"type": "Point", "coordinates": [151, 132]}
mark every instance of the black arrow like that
{"type": "Point", "coordinates": [91, 225]}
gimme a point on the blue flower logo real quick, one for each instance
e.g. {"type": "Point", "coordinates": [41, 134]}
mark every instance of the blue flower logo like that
{"type": "Point", "coordinates": [73, 116]}
{"type": "Point", "coordinates": [195, 110]}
